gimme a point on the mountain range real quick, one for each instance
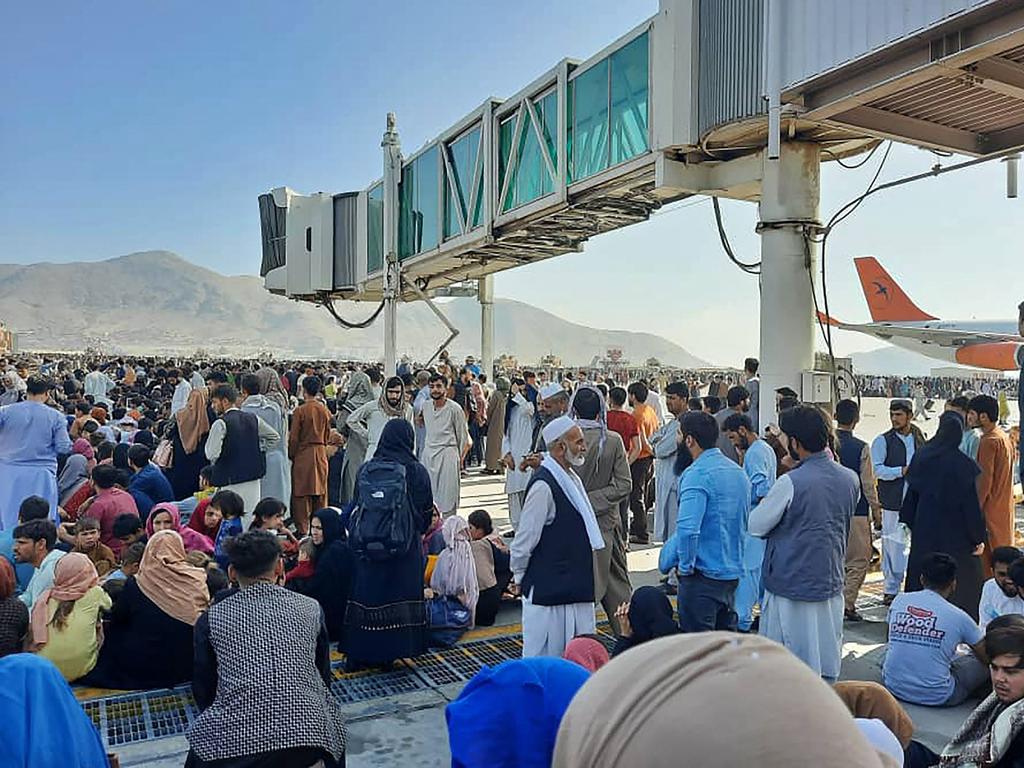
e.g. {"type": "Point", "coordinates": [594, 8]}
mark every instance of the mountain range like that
{"type": "Point", "coordinates": [156, 302]}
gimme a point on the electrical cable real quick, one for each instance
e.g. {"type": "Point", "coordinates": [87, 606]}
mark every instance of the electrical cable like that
{"type": "Point", "coordinates": [852, 166]}
{"type": "Point", "coordinates": [750, 269]}
{"type": "Point", "coordinates": [329, 305]}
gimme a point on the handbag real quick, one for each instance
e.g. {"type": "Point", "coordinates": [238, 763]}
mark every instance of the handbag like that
{"type": "Point", "coordinates": [163, 456]}
{"type": "Point", "coordinates": [447, 621]}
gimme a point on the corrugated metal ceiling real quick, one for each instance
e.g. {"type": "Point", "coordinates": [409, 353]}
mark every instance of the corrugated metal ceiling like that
{"type": "Point", "coordinates": [956, 103]}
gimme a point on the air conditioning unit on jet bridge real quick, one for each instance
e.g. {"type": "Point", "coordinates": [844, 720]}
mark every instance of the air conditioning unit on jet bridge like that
{"type": "Point", "coordinates": [310, 243]}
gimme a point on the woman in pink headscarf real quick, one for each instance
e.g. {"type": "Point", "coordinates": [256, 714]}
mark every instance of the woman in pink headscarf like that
{"type": "Point", "coordinates": [455, 572]}
{"type": "Point", "coordinates": [65, 618]}
{"type": "Point", "coordinates": [165, 517]}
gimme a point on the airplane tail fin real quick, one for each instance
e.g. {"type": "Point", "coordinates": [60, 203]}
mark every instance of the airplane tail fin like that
{"type": "Point", "coordinates": [886, 300]}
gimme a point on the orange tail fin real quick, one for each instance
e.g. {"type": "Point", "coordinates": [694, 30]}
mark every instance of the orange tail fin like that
{"type": "Point", "coordinates": [886, 300]}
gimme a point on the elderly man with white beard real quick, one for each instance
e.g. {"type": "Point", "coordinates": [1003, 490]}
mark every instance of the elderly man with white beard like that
{"type": "Point", "coordinates": [552, 554]}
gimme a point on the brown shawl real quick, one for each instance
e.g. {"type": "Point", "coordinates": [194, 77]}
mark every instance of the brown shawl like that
{"type": "Point", "coordinates": [872, 701]}
{"type": "Point", "coordinates": [166, 578]}
{"type": "Point", "coordinates": [193, 420]}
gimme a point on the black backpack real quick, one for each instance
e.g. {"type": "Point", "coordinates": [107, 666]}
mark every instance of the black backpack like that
{"type": "Point", "coordinates": [382, 522]}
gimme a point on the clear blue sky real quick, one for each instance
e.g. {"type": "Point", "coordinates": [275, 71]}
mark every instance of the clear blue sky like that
{"type": "Point", "coordinates": [131, 126]}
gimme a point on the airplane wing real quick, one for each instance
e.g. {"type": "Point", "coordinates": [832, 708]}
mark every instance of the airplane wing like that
{"type": "Point", "coordinates": [940, 337]}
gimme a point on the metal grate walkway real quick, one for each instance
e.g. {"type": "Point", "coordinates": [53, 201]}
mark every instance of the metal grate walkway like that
{"type": "Point", "coordinates": [147, 715]}
{"type": "Point", "coordinates": [144, 716]}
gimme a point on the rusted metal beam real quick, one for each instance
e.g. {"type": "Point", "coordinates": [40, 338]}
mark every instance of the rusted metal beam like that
{"type": "Point", "coordinates": [909, 129]}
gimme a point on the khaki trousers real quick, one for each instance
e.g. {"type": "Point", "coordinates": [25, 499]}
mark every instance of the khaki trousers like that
{"type": "Point", "coordinates": [858, 559]}
{"type": "Point", "coordinates": [611, 575]}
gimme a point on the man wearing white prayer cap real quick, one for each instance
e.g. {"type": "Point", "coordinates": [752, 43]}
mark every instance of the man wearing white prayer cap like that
{"type": "Point", "coordinates": [554, 402]}
{"type": "Point", "coordinates": [552, 554]}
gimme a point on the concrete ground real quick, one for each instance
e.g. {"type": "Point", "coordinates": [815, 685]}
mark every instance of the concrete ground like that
{"type": "Point", "coordinates": [409, 730]}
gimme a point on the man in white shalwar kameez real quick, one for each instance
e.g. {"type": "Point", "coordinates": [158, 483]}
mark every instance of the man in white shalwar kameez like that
{"type": "Point", "coordinates": [446, 444]}
{"type": "Point", "coordinates": [805, 519]}
{"type": "Point", "coordinates": [98, 384]}
{"type": "Point", "coordinates": [516, 444]}
{"type": "Point", "coordinates": [552, 552]}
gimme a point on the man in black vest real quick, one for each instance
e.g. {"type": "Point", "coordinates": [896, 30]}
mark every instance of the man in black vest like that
{"type": "Point", "coordinates": [854, 454]}
{"type": "Point", "coordinates": [552, 554]}
{"type": "Point", "coordinates": [891, 453]}
{"type": "Point", "coordinates": [237, 448]}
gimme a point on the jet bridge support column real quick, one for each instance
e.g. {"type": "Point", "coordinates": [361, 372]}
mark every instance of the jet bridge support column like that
{"type": "Point", "coordinates": [788, 223]}
{"type": "Point", "coordinates": [392, 269]}
{"type": "Point", "coordinates": [485, 294]}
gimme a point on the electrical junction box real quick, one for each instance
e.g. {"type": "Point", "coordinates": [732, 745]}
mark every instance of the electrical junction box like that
{"type": "Point", "coordinates": [815, 387]}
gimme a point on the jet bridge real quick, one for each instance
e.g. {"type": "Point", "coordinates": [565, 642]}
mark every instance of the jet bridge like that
{"type": "Point", "coordinates": [731, 98]}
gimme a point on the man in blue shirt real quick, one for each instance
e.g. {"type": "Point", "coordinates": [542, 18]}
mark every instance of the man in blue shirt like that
{"type": "Point", "coordinates": [148, 486]}
{"type": "Point", "coordinates": [891, 453]}
{"type": "Point", "coordinates": [760, 465]}
{"type": "Point", "coordinates": [707, 546]}
{"type": "Point", "coordinates": [32, 508]}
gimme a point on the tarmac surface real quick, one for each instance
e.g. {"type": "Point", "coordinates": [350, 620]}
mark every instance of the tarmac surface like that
{"type": "Point", "coordinates": [408, 728]}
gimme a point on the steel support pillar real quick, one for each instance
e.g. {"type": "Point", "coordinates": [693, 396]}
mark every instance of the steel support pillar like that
{"type": "Point", "coordinates": [392, 274]}
{"type": "Point", "coordinates": [788, 211]}
{"type": "Point", "coordinates": [485, 294]}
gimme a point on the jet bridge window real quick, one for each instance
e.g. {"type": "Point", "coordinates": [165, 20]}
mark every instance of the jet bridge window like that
{"type": "Point", "coordinates": [419, 205]}
{"type": "Point", "coordinates": [608, 111]}
{"type": "Point", "coordinates": [375, 229]}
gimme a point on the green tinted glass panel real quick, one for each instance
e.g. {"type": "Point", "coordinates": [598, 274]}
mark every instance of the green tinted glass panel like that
{"type": "Point", "coordinates": [375, 229]}
{"type": "Point", "coordinates": [505, 135]}
{"type": "Point", "coordinates": [530, 173]}
{"type": "Point", "coordinates": [462, 156]}
{"type": "Point", "coordinates": [478, 209]}
{"type": "Point", "coordinates": [451, 219]}
{"type": "Point", "coordinates": [428, 203]}
{"type": "Point", "coordinates": [569, 91]}
{"type": "Point", "coordinates": [406, 212]}
{"type": "Point", "coordinates": [418, 195]}
{"type": "Point", "coordinates": [590, 122]}
{"type": "Point", "coordinates": [629, 73]}
{"type": "Point", "coordinates": [547, 112]}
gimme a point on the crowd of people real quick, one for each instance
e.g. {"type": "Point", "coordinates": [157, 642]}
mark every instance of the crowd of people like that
{"type": "Point", "coordinates": [934, 387]}
{"type": "Point", "coordinates": [165, 523]}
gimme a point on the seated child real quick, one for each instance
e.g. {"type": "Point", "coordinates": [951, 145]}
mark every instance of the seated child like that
{"type": "Point", "coordinates": [129, 529]}
{"type": "Point", "coordinates": [130, 559]}
{"type": "Point", "coordinates": [194, 503]}
{"type": "Point", "coordinates": [268, 515]}
{"type": "Point", "coordinates": [87, 542]}
{"type": "Point", "coordinates": [216, 580]}
{"type": "Point", "coordinates": [231, 509]}
{"type": "Point", "coordinates": [306, 566]}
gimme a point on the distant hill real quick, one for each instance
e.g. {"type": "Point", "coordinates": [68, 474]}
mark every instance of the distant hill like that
{"type": "Point", "coordinates": [156, 302]}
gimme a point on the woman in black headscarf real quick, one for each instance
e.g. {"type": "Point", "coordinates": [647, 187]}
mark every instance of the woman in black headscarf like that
{"type": "Point", "coordinates": [942, 511]}
{"type": "Point", "coordinates": [648, 615]}
{"type": "Point", "coordinates": [333, 570]}
{"type": "Point", "coordinates": [386, 618]}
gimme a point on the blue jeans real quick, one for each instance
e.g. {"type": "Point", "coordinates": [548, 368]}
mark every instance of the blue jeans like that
{"type": "Point", "coordinates": [750, 590]}
{"type": "Point", "coordinates": [706, 604]}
